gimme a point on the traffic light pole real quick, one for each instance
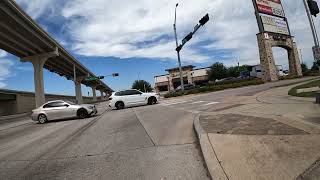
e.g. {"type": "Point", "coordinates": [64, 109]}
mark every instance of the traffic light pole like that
{"type": "Point", "coordinates": [313, 28]}
{"type": "Point", "coordinates": [177, 44]}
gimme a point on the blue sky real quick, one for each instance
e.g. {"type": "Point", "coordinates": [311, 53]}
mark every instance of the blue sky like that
{"type": "Point", "coordinates": [136, 39]}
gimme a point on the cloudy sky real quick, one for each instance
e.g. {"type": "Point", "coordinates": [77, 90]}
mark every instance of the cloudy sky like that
{"type": "Point", "coordinates": [135, 38]}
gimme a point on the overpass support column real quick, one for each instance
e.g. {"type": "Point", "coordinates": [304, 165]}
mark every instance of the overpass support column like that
{"type": "Point", "coordinates": [102, 95]}
{"type": "Point", "coordinates": [38, 62]}
{"type": "Point", "coordinates": [94, 93]}
{"type": "Point", "coordinates": [78, 92]}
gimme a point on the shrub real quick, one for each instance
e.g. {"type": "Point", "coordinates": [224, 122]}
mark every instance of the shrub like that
{"type": "Point", "coordinates": [213, 88]}
{"type": "Point", "coordinates": [312, 73]}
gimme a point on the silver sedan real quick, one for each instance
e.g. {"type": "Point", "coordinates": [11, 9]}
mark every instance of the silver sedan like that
{"type": "Point", "coordinates": [54, 110]}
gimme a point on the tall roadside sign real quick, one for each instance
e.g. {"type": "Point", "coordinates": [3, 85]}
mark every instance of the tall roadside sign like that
{"type": "Point", "coordinates": [271, 17]}
{"type": "Point", "coordinates": [274, 32]}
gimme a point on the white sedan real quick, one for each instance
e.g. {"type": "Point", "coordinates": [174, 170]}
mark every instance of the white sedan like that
{"type": "Point", "coordinates": [61, 110]}
{"type": "Point", "coordinates": [129, 98]}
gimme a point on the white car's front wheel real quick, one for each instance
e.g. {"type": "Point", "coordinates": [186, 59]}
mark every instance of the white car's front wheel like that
{"type": "Point", "coordinates": [42, 119]}
{"type": "Point", "coordinates": [119, 105]}
{"type": "Point", "coordinates": [152, 100]}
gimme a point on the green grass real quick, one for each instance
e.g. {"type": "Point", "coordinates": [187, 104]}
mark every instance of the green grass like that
{"type": "Point", "coordinates": [293, 91]}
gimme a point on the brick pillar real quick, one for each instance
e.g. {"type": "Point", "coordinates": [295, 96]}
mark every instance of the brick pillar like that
{"type": "Point", "coordinates": [294, 61]}
{"type": "Point", "coordinates": [269, 70]}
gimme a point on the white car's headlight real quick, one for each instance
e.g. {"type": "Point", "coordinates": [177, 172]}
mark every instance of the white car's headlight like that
{"type": "Point", "coordinates": [91, 107]}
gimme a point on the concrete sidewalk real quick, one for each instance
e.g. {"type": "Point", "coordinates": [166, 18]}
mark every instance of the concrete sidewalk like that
{"type": "Point", "coordinates": [266, 136]}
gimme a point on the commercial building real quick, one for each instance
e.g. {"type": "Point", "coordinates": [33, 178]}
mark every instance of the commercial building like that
{"type": "Point", "coordinates": [171, 81]}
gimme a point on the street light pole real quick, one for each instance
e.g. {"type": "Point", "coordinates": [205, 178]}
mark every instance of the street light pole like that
{"type": "Point", "coordinates": [313, 28]}
{"type": "Point", "coordinates": [178, 52]}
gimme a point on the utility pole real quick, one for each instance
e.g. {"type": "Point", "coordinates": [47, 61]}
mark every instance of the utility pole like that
{"type": "Point", "coordinates": [177, 44]}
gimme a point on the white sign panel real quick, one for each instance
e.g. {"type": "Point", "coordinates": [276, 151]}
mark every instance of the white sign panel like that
{"type": "Point", "coordinates": [271, 7]}
{"type": "Point", "coordinates": [274, 24]}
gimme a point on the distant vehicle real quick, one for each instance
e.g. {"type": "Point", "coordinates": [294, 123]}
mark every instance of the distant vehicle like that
{"type": "Point", "coordinates": [186, 87]}
{"type": "Point", "coordinates": [132, 97]}
{"type": "Point", "coordinates": [244, 75]}
{"type": "Point", "coordinates": [54, 110]}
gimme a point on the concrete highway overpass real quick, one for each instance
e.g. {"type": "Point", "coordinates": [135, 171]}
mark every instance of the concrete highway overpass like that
{"type": "Point", "coordinates": [21, 36]}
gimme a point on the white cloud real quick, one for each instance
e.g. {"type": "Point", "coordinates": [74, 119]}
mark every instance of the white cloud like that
{"type": "Point", "coordinates": [2, 53]}
{"type": "Point", "coordinates": [143, 28]}
{"type": "Point", "coordinates": [37, 8]}
{"type": "Point", "coordinates": [4, 71]}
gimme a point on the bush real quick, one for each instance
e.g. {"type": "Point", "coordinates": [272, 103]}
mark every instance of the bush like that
{"type": "Point", "coordinates": [312, 73]}
{"type": "Point", "coordinates": [220, 87]}
{"type": "Point", "coordinates": [288, 77]}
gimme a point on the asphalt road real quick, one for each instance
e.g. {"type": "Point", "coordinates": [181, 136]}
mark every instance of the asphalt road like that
{"type": "Point", "coordinates": [148, 142]}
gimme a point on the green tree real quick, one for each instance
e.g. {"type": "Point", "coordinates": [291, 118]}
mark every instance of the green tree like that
{"type": "Point", "coordinates": [236, 70]}
{"type": "Point", "coordinates": [304, 68]}
{"type": "Point", "coordinates": [217, 71]}
{"type": "Point", "coordinates": [315, 67]}
{"type": "Point", "coordinates": [142, 85]}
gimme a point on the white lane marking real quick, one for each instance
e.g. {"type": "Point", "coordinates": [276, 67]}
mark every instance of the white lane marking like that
{"type": "Point", "coordinates": [210, 104]}
{"type": "Point", "coordinates": [197, 102]}
{"type": "Point", "coordinates": [173, 103]}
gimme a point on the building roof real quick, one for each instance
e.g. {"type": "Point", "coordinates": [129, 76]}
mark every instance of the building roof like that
{"type": "Point", "coordinates": [178, 69]}
{"type": "Point", "coordinates": [183, 67]}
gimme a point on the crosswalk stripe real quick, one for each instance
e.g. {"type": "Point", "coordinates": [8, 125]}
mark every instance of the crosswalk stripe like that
{"type": "Point", "coordinates": [210, 103]}
{"type": "Point", "coordinates": [197, 102]}
{"type": "Point", "coordinates": [173, 103]}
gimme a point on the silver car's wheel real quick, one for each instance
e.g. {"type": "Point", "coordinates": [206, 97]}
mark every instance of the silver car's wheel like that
{"type": "Point", "coordinates": [82, 113]}
{"type": "Point", "coordinates": [42, 118]}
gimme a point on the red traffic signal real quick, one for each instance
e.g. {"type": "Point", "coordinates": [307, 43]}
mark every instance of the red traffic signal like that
{"type": "Point", "coordinates": [314, 8]}
{"type": "Point", "coordinates": [204, 20]}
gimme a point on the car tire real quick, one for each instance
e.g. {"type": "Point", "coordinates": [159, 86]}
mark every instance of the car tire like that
{"type": "Point", "coordinates": [119, 105]}
{"type": "Point", "coordinates": [152, 100]}
{"type": "Point", "coordinates": [82, 113]}
{"type": "Point", "coordinates": [42, 118]}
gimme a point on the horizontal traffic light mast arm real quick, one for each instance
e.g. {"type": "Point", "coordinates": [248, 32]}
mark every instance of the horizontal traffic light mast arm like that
{"type": "Point", "coordinates": [202, 22]}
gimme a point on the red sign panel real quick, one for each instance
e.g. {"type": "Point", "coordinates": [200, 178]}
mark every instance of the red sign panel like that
{"type": "Point", "coordinates": [271, 7]}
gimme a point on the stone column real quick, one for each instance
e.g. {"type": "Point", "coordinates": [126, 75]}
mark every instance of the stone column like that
{"type": "Point", "coordinates": [294, 61]}
{"type": "Point", "coordinates": [171, 84]}
{"type": "Point", "coordinates": [269, 70]}
{"type": "Point", "coordinates": [190, 75]}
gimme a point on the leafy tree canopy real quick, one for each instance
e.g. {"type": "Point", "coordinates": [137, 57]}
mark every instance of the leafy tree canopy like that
{"type": "Point", "coordinates": [142, 85]}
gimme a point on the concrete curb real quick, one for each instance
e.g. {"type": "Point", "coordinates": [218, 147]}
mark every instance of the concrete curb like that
{"type": "Point", "coordinates": [215, 169]}
{"type": "Point", "coordinates": [14, 116]}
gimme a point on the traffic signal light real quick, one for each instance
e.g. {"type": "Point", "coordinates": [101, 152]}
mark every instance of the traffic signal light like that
{"type": "Point", "coordinates": [314, 8]}
{"type": "Point", "coordinates": [115, 74]}
{"type": "Point", "coordinates": [204, 20]}
{"type": "Point", "coordinates": [101, 77]}
{"type": "Point", "coordinates": [187, 38]}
